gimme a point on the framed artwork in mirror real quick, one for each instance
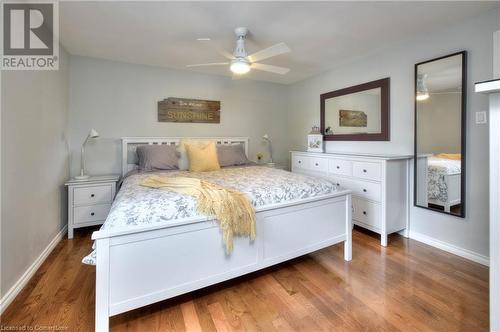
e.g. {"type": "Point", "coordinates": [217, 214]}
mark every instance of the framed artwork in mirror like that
{"type": "Point", "coordinates": [357, 113]}
{"type": "Point", "coordinates": [440, 134]}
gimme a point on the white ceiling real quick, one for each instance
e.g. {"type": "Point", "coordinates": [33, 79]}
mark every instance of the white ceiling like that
{"type": "Point", "coordinates": [320, 34]}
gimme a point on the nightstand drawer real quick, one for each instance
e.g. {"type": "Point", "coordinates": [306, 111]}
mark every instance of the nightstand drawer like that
{"type": "Point", "coordinates": [93, 195]}
{"type": "Point", "coordinates": [84, 214]}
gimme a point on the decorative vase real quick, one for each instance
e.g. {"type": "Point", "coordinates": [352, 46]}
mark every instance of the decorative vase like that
{"type": "Point", "coordinates": [315, 140]}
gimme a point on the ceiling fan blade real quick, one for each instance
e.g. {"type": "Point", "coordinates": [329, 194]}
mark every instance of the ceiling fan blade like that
{"type": "Point", "coordinates": [237, 77]}
{"type": "Point", "coordinates": [270, 68]}
{"type": "Point", "coordinates": [218, 49]}
{"type": "Point", "coordinates": [223, 52]}
{"type": "Point", "coordinates": [271, 51]}
{"type": "Point", "coordinates": [208, 64]}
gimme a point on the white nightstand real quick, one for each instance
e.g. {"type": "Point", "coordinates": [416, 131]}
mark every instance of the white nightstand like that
{"type": "Point", "coordinates": [89, 201]}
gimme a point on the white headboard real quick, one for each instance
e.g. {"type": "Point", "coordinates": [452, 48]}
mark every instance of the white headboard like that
{"type": "Point", "coordinates": [129, 146]}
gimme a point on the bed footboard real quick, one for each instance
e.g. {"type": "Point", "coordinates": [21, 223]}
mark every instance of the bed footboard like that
{"type": "Point", "coordinates": [137, 269]}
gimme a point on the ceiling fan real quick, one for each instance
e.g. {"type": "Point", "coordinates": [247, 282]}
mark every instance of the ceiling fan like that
{"type": "Point", "coordinates": [241, 62]}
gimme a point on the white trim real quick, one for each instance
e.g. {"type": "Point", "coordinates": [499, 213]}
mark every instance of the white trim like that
{"type": "Point", "coordinates": [467, 254]}
{"type": "Point", "coordinates": [11, 294]}
{"type": "Point", "coordinates": [494, 213]}
{"type": "Point", "coordinates": [487, 86]}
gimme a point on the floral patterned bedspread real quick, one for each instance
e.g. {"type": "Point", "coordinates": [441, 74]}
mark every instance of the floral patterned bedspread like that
{"type": "Point", "coordinates": [437, 169]}
{"type": "Point", "coordinates": [138, 205]}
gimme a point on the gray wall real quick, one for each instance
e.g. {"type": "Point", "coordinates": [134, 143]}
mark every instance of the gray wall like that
{"type": "Point", "coordinates": [397, 61]}
{"type": "Point", "coordinates": [119, 99]}
{"type": "Point", "coordinates": [34, 165]}
{"type": "Point", "coordinates": [439, 124]}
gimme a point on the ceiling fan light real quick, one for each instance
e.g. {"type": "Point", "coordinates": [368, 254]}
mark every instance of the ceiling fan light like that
{"type": "Point", "coordinates": [240, 67]}
{"type": "Point", "coordinates": [422, 91]}
{"type": "Point", "coordinates": [421, 96]}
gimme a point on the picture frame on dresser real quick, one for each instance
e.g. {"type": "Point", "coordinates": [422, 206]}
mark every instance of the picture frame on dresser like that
{"type": "Point", "coordinates": [379, 184]}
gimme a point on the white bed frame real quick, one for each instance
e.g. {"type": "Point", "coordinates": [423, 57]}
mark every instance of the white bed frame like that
{"type": "Point", "coordinates": [452, 181]}
{"type": "Point", "coordinates": [147, 264]}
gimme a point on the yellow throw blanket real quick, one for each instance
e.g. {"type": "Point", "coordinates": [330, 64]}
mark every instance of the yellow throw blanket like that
{"type": "Point", "coordinates": [232, 208]}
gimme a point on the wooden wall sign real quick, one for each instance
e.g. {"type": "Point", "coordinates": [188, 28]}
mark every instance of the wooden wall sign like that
{"type": "Point", "coordinates": [188, 110]}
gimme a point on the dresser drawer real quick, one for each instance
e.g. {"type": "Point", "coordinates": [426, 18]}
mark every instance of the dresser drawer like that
{"type": "Point", "coordinates": [318, 164]}
{"type": "Point", "coordinates": [300, 162]}
{"type": "Point", "coordinates": [363, 189]}
{"type": "Point", "coordinates": [84, 214]}
{"type": "Point", "coordinates": [340, 166]}
{"type": "Point", "coordinates": [93, 195]}
{"type": "Point", "coordinates": [367, 170]}
{"type": "Point", "coordinates": [367, 189]}
{"type": "Point", "coordinates": [366, 212]}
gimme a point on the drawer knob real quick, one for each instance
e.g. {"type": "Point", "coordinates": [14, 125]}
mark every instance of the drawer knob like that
{"type": "Point", "coordinates": [92, 195]}
{"type": "Point", "coordinates": [364, 171]}
{"type": "Point", "coordinates": [92, 213]}
{"type": "Point", "coordinates": [364, 212]}
{"type": "Point", "coordinates": [300, 161]}
{"type": "Point", "coordinates": [364, 190]}
{"type": "Point", "coordinates": [316, 164]}
{"type": "Point", "coordinates": [338, 184]}
{"type": "Point", "coordinates": [338, 167]}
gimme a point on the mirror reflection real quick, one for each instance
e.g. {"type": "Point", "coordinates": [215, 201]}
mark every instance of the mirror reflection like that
{"type": "Point", "coordinates": [355, 113]}
{"type": "Point", "coordinates": [439, 153]}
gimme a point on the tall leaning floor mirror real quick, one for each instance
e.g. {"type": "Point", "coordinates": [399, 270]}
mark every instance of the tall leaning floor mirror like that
{"type": "Point", "coordinates": [440, 125]}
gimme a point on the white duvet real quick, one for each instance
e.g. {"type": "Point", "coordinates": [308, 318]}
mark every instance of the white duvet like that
{"type": "Point", "coordinates": [437, 169]}
{"type": "Point", "coordinates": [137, 205]}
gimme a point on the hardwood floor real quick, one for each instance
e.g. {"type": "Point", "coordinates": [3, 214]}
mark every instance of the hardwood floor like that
{"type": "Point", "coordinates": [407, 286]}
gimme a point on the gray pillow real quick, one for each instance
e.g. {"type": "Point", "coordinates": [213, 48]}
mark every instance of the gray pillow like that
{"type": "Point", "coordinates": [232, 155]}
{"type": "Point", "coordinates": [157, 157]}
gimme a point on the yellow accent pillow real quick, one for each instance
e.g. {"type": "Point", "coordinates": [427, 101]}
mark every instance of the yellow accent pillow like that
{"type": "Point", "coordinates": [202, 157]}
{"type": "Point", "coordinates": [451, 156]}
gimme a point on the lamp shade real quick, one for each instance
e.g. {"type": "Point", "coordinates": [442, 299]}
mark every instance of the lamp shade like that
{"type": "Point", "coordinates": [93, 133]}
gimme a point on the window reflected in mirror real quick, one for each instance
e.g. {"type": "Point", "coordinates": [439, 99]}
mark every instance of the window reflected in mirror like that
{"type": "Point", "coordinates": [439, 134]}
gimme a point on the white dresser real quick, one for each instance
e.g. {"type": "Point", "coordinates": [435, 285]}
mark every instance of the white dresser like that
{"type": "Point", "coordinates": [379, 184]}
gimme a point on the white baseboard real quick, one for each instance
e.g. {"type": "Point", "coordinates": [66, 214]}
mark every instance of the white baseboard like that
{"type": "Point", "coordinates": [467, 254]}
{"type": "Point", "coordinates": [19, 285]}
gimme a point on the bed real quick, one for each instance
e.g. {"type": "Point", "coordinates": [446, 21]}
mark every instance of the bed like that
{"type": "Point", "coordinates": [146, 250]}
{"type": "Point", "coordinates": [442, 178]}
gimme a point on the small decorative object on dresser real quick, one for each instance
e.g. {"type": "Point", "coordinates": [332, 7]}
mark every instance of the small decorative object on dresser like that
{"type": "Point", "coordinates": [89, 201]}
{"type": "Point", "coordinates": [315, 140]}
{"type": "Point", "coordinates": [379, 185]}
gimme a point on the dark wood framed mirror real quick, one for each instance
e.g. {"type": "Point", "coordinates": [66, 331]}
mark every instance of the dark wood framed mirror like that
{"type": "Point", "coordinates": [440, 134]}
{"type": "Point", "coordinates": [357, 113]}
